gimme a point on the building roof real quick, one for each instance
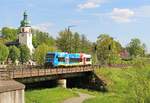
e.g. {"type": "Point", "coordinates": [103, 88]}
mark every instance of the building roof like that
{"type": "Point", "coordinates": [13, 43]}
{"type": "Point", "coordinates": [25, 21]}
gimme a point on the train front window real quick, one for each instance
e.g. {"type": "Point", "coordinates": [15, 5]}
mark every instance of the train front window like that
{"type": "Point", "coordinates": [51, 56]}
{"type": "Point", "coordinates": [88, 59]}
{"type": "Point", "coordinates": [61, 59]}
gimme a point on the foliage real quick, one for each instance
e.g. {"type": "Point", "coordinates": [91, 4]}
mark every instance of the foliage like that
{"type": "Point", "coordinates": [9, 33]}
{"type": "Point", "coordinates": [54, 95]}
{"type": "Point", "coordinates": [108, 50]}
{"type": "Point", "coordinates": [64, 41]}
{"type": "Point", "coordinates": [40, 37]}
{"type": "Point", "coordinates": [14, 53]}
{"type": "Point", "coordinates": [141, 89]}
{"type": "Point", "coordinates": [136, 48]}
{"type": "Point", "coordinates": [86, 45]}
{"type": "Point", "coordinates": [76, 43]}
{"type": "Point", "coordinates": [68, 41]}
{"type": "Point", "coordinates": [24, 53]}
{"type": "Point", "coordinates": [3, 40]}
{"type": "Point", "coordinates": [40, 52]}
{"type": "Point", "coordinates": [131, 85]}
{"type": "Point", "coordinates": [3, 53]}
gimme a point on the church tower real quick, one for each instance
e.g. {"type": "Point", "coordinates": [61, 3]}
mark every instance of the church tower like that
{"type": "Point", "coordinates": [25, 36]}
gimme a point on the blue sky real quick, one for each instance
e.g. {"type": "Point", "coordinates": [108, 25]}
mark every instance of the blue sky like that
{"type": "Point", "coordinates": [122, 19]}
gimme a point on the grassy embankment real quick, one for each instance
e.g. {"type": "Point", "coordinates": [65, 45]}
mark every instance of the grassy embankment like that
{"type": "Point", "coordinates": [130, 85]}
{"type": "Point", "coordinates": [53, 95]}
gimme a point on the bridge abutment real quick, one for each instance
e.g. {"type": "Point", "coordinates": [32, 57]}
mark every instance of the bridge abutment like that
{"type": "Point", "coordinates": [11, 92]}
{"type": "Point", "coordinates": [62, 83]}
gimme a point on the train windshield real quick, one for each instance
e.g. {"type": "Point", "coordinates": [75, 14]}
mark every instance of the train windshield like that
{"type": "Point", "coordinates": [51, 56]}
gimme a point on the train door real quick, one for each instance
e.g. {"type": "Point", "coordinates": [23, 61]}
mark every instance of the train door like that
{"type": "Point", "coordinates": [67, 60]}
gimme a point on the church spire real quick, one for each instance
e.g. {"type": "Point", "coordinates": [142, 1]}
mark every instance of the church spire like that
{"type": "Point", "coordinates": [25, 21]}
{"type": "Point", "coordinates": [25, 15]}
{"type": "Point", "coordinates": [25, 36]}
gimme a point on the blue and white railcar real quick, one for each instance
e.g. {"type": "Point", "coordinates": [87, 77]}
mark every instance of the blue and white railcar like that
{"type": "Point", "coordinates": [56, 59]}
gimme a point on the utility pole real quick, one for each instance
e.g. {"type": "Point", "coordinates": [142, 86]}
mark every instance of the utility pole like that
{"type": "Point", "coordinates": [68, 31]}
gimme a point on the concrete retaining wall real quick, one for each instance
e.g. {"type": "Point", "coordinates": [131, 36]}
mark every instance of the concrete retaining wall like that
{"type": "Point", "coordinates": [11, 92]}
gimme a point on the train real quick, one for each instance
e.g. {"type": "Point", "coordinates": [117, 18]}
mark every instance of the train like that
{"type": "Point", "coordinates": [64, 59]}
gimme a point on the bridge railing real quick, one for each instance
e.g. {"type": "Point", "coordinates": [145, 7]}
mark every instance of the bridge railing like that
{"type": "Point", "coordinates": [4, 74]}
{"type": "Point", "coordinates": [28, 71]}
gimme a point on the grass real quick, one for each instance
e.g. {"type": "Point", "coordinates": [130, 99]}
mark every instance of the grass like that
{"type": "Point", "coordinates": [53, 95]}
{"type": "Point", "coordinates": [130, 85]}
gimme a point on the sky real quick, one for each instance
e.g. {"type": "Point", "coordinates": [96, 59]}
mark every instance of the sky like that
{"type": "Point", "coordinates": [121, 19]}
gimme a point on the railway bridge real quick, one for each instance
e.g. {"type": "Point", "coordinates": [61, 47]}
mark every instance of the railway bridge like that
{"type": "Point", "coordinates": [13, 92]}
{"type": "Point", "coordinates": [28, 74]}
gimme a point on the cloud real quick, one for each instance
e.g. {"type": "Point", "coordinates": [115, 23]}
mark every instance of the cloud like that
{"type": "Point", "coordinates": [126, 15]}
{"type": "Point", "coordinates": [122, 15]}
{"type": "Point", "coordinates": [89, 4]}
{"type": "Point", "coordinates": [43, 26]}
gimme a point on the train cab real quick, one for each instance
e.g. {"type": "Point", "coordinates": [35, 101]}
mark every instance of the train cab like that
{"type": "Point", "coordinates": [87, 59]}
{"type": "Point", "coordinates": [55, 59]}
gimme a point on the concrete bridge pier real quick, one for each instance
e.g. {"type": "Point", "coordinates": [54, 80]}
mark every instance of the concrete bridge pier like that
{"type": "Point", "coordinates": [62, 83]}
{"type": "Point", "coordinates": [11, 92]}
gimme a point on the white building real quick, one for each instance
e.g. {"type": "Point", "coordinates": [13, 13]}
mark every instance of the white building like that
{"type": "Point", "coordinates": [25, 36]}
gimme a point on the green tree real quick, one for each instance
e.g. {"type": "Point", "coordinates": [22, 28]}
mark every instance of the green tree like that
{"type": "Point", "coordinates": [68, 41]}
{"type": "Point", "coordinates": [76, 43]}
{"type": "Point", "coordinates": [64, 41]}
{"type": "Point", "coordinates": [136, 48]}
{"type": "Point", "coordinates": [86, 45]}
{"type": "Point", "coordinates": [108, 50]}
{"type": "Point", "coordinates": [4, 51]}
{"type": "Point", "coordinates": [14, 53]}
{"type": "Point", "coordinates": [24, 53]}
{"type": "Point", "coordinates": [3, 40]}
{"type": "Point", "coordinates": [94, 53]}
{"type": "Point", "coordinates": [40, 53]}
{"type": "Point", "coordinates": [9, 33]}
{"type": "Point", "coordinates": [40, 37]}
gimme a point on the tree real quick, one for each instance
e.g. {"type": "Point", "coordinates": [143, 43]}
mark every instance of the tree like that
{"type": "Point", "coordinates": [14, 53]}
{"type": "Point", "coordinates": [40, 37]}
{"type": "Point", "coordinates": [64, 41]}
{"type": "Point", "coordinates": [73, 42]}
{"type": "Point", "coordinates": [94, 53]}
{"type": "Point", "coordinates": [24, 53]}
{"type": "Point", "coordinates": [40, 53]}
{"type": "Point", "coordinates": [76, 43]}
{"type": "Point", "coordinates": [3, 53]}
{"type": "Point", "coordinates": [136, 48]}
{"type": "Point", "coordinates": [108, 50]}
{"type": "Point", "coordinates": [86, 45]}
{"type": "Point", "coordinates": [9, 33]}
